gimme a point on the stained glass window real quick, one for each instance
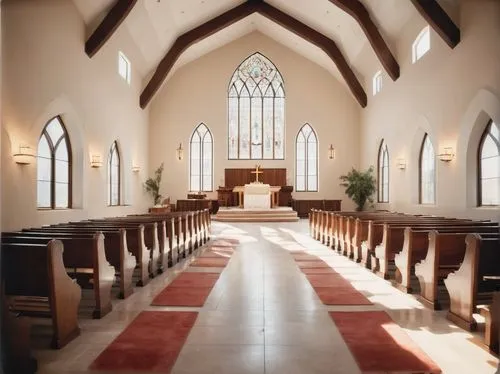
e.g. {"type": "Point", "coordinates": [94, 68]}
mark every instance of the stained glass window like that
{"type": "Point", "coordinates": [427, 172]}
{"type": "Point", "coordinates": [256, 100]}
{"type": "Point", "coordinates": [54, 167]}
{"type": "Point", "coordinates": [114, 175]}
{"type": "Point", "coordinates": [383, 173]}
{"type": "Point", "coordinates": [201, 160]}
{"type": "Point", "coordinates": [306, 155]}
{"type": "Point", "coordinates": [489, 166]}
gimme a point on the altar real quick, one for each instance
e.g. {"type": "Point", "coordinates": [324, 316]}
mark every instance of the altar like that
{"type": "Point", "coordinates": [257, 196]}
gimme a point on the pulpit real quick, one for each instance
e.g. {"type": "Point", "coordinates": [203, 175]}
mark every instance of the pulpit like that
{"type": "Point", "coordinates": [257, 196]}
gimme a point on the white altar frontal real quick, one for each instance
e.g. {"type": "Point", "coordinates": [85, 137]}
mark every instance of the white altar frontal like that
{"type": "Point", "coordinates": [257, 196]}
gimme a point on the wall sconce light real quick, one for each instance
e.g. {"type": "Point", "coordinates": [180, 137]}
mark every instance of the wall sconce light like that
{"type": "Point", "coordinates": [136, 169]}
{"type": "Point", "coordinates": [447, 155]}
{"type": "Point", "coordinates": [180, 152]}
{"type": "Point", "coordinates": [95, 161]}
{"type": "Point", "coordinates": [401, 164]}
{"type": "Point", "coordinates": [331, 152]}
{"type": "Point", "coordinates": [25, 155]}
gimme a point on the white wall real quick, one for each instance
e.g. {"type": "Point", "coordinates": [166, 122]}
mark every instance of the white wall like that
{"type": "Point", "coordinates": [47, 73]}
{"type": "Point", "coordinates": [197, 93]}
{"type": "Point", "coordinates": [450, 94]}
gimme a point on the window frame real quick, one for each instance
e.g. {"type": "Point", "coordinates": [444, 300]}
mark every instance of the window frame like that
{"type": "Point", "coordinates": [306, 160]}
{"type": "Point", "coordinates": [425, 32]}
{"type": "Point", "coordinates": [485, 133]}
{"type": "Point", "coordinates": [114, 147]}
{"type": "Point", "coordinates": [128, 71]}
{"type": "Point", "coordinates": [377, 82]}
{"type": "Point", "coordinates": [53, 150]}
{"type": "Point", "coordinates": [201, 150]}
{"type": "Point", "coordinates": [383, 149]}
{"type": "Point", "coordinates": [420, 170]}
{"type": "Point", "coordinates": [239, 95]}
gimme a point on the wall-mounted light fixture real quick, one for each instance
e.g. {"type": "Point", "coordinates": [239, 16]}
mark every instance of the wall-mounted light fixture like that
{"type": "Point", "coordinates": [95, 161]}
{"type": "Point", "coordinates": [331, 152]}
{"type": "Point", "coordinates": [25, 156]}
{"type": "Point", "coordinates": [136, 169]}
{"type": "Point", "coordinates": [180, 152]}
{"type": "Point", "coordinates": [401, 164]}
{"type": "Point", "coordinates": [447, 154]}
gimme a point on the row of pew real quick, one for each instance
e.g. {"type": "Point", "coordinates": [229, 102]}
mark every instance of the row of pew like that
{"type": "Point", "coordinates": [45, 269]}
{"type": "Point", "coordinates": [442, 260]}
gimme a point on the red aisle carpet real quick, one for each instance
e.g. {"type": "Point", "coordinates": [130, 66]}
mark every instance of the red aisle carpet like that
{"type": "Point", "coordinates": [188, 289]}
{"type": "Point", "coordinates": [151, 342]}
{"type": "Point", "coordinates": [379, 345]}
{"type": "Point", "coordinates": [330, 286]}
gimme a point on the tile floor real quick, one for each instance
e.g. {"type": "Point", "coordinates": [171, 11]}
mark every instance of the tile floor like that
{"type": "Point", "coordinates": [263, 316]}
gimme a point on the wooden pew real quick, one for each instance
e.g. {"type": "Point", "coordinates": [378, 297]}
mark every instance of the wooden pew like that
{"type": "Point", "coordinates": [134, 239]}
{"type": "Point", "coordinates": [16, 342]}
{"type": "Point", "coordinates": [393, 239]}
{"type": "Point", "coordinates": [414, 250]}
{"type": "Point", "coordinates": [33, 289]}
{"type": "Point", "coordinates": [466, 286]}
{"type": "Point", "coordinates": [85, 260]}
{"type": "Point", "coordinates": [491, 314]}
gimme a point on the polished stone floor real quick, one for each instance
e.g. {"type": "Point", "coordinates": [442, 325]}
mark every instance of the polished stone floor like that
{"type": "Point", "coordinates": [263, 316]}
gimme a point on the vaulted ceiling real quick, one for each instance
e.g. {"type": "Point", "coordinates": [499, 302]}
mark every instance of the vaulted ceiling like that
{"type": "Point", "coordinates": [155, 25]}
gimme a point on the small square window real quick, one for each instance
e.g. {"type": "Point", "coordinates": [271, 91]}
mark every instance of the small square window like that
{"type": "Point", "coordinates": [124, 68]}
{"type": "Point", "coordinates": [377, 82]}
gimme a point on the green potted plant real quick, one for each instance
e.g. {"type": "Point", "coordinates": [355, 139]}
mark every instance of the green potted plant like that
{"type": "Point", "coordinates": [152, 185]}
{"type": "Point", "coordinates": [360, 186]}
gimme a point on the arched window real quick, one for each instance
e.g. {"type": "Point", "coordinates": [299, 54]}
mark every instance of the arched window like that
{"type": "Point", "coordinates": [383, 173]}
{"type": "Point", "coordinates": [377, 82]}
{"type": "Point", "coordinates": [256, 99]}
{"type": "Point", "coordinates": [421, 45]}
{"type": "Point", "coordinates": [201, 159]}
{"type": "Point", "coordinates": [114, 175]}
{"type": "Point", "coordinates": [54, 167]}
{"type": "Point", "coordinates": [489, 166]}
{"type": "Point", "coordinates": [427, 169]}
{"type": "Point", "coordinates": [306, 158]}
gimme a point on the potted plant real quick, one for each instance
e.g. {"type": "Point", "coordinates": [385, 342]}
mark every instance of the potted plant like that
{"type": "Point", "coordinates": [360, 186]}
{"type": "Point", "coordinates": [152, 185]}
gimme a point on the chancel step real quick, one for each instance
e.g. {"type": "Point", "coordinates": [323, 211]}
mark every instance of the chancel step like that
{"type": "Point", "coordinates": [281, 214]}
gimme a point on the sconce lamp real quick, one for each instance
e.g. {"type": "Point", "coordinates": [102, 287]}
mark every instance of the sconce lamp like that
{"type": "Point", "coordinates": [180, 152]}
{"type": "Point", "coordinates": [95, 161]}
{"type": "Point", "coordinates": [25, 155]}
{"type": "Point", "coordinates": [136, 169]}
{"type": "Point", "coordinates": [401, 164]}
{"type": "Point", "coordinates": [447, 155]}
{"type": "Point", "coordinates": [331, 152]}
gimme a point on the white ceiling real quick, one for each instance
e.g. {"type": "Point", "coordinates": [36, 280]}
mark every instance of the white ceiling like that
{"type": "Point", "coordinates": [154, 26]}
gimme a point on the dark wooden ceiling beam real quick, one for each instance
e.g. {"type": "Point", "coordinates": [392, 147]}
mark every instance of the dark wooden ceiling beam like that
{"type": "Point", "coordinates": [320, 41]}
{"type": "Point", "coordinates": [439, 20]}
{"type": "Point", "coordinates": [108, 26]}
{"type": "Point", "coordinates": [234, 15]}
{"type": "Point", "coordinates": [359, 12]}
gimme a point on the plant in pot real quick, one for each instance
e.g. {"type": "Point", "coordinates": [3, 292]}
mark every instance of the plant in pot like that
{"type": "Point", "coordinates": [152, 185]}
{"type": "Point", "coordinates": [360, 186]}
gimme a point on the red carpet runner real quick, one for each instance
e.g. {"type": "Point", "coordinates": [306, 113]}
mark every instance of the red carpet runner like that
{"type": "Point", "coordinates": [151, 342]}
{"type": "Point", "coordinates": [330, 286]}
{"type": "Point", "coordinates": [379, 345]}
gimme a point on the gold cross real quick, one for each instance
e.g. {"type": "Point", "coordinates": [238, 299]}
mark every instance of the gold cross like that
{"type": "Point", "coordinates": [257, 172]}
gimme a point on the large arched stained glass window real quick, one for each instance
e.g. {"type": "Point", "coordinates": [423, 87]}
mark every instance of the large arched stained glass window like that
{"type": "Point", "coordinates": [427, 170]}
{"type": "Point", "coordinates": [256, 99]}
{"type": "Point", "coordinates": [306, 160]}
{"type": "Point", "coordinates": [114, 175]}
{"type": "Point", "coordinates": [383, 173]}
{"type": "Point", "coordinates": [201, 159]}
{"type": "Point", "coordinates": [54, 167]}
{"type": "Point", "coordinates": [489, 166]}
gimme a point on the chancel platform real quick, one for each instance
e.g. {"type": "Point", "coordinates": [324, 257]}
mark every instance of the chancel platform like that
{"type": "Point", "coordinates": [235, 214]}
